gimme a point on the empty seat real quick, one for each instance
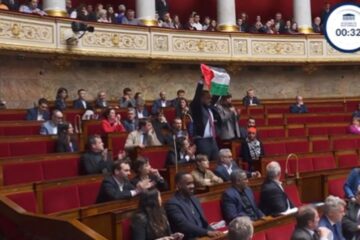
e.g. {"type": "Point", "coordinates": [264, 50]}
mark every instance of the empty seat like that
{"type": "Point", "coordinates": [88, 193]}
{"type": "Point", "coordinates": [305, 165]}
{"type": "Point", "coordinates": [297, 147]}
{"type": "Point", "coordinates": [335, 187]}
{"type": "Point", "coordinates": [28, 148]}
{"type": "Point", "coordinates": [321, 145]}
{"type": "Point", "coordinates": [344, 144]}
{"type": "Point", "coordinates": [156, 155]}
{"type": "Point", "coordinates": [323, 163]}
{"type": "Point", "coordinates": [274, 148]}
{"type": "Point", "coordinates": [212, 210]}
{"type": "Point", "coordinates": [22, 173]}
{"type": "Point", "coordinates": [348, 160]}
{"type": "Point", "coordinates": [60, 198]}
{"type": "Point", "coordinates": [61, 168]}
{"type": "Point", "coordinates": [293, 194]}
{"type": "Point", "coordinates": [26, 200]}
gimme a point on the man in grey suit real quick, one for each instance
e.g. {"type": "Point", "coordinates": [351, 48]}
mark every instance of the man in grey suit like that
{"type": "Point", "coordinates": [229, 127]}
{"type": "Point", "coordinates": [307, 225]}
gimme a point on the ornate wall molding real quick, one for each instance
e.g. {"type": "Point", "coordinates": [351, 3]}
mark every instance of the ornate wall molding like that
{"type": "Point", "coordinates": [19, 32]}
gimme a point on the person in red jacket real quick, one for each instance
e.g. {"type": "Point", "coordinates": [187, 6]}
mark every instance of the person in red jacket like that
{"type": "Point", "coordinates": [111, 122]}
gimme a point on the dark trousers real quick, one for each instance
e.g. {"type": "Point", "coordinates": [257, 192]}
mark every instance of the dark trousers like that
{"type": "Point", "coordinates": [208, 147]}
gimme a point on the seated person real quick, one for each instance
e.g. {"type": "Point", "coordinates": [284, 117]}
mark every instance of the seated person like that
{"type": "Point", "coordinates": [185, 153]}
{"type": "Point", "coordinates": [350, 222]}
{"type": "Point", "coordinates": [140, 108]}
{"type": "Point", "coordinates": [3, 6]}
{"type": "Point", "coordinates": [351, 184]}
{"type": "Point", "coordinates": [227, 165]}
{"type": "Point", "coordinates": [160, 103]}
{"type": "Point", "coordinates": [127, 101]}
{"type": "Point", "coordinates": [100, 101]}
{"type": "Point", "coordinates": [143, 137]}
{"type": "Point", "coordinates": [177, 129]}
{"type": "Point", "coordinates": [307, 225]}
{"type": "Point", "coordinates": [60, 101]}
{"type": "Point", "coordinates": [204, 177]}
{"type": "Point", "coordinates": [176, 102]}
{"type": "Point", "coordinates": [50, 127]}
{"type": "Point", "coordinates": [184, 210]}
{"type": "Point", "coordinates": [238, 200]}
{"type": "Point", "coordinates": [182, 108]}
{"type": "Point", "coordinates": [252, 149]}
{"type": "Point", "coordinates": [243, 130]}
{"type": "Point", "coordinates": [162, 128]}
{"type": "Point", "coordinates": [150, 220]}
{"type": "Point", "coordinates": [81, 103]}
{"type": "Point", "coordinates": [354, 128]}
{"type": "Point", "coordinates": [96, 159]}
{"type": "Point", "coordinates": [334, 210]}
{"type": "Point", "coordinates": [299, 106]}
{"type": "Point", "coordinates": [111, 122]}
{"type": "Point", "coordinates": [143, 170]}
{"type": "Point", "coordinates": [67, 140]}
{"type": "Point", "coordinates": [117, 186]}
{"type": "Point", "coordinates": [250, 99]}
{"type": "Point", "coordinates": [273, 198]}
{"type": "Point", "coordinates": [241, 228]}
{"type": "Point", "coordinates": [39, 113]}
{"type": "Point", "coordinates": [357, 112]}
{"type": "Point", "coordinates": [130, 122]}
{"type": "Point", "coordinates": [32, 6]}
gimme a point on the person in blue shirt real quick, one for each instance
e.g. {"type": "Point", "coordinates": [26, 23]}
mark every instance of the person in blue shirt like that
{"type": "Point", "coordinates": [299, 106]}
{"type": "Point", "coordinates": [352, 183]}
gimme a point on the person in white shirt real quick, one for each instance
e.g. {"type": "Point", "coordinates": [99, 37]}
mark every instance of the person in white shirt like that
{"type": "Point", "coordinates": [197, 25]}
{"type": "Point", "coordinates": [51, 127]}
{"type": "Point", "coordinates": [32, 7]}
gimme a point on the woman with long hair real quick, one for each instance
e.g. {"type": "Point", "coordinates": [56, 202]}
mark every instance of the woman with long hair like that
{"type": "Point", "coordinates": [60, 100]}
{"type": "Point", "coordinates": [150, 221]}
{"type": "Point", "coordinates": [67, 140]}
{"type": "Point", "coordinates": [112, 122]}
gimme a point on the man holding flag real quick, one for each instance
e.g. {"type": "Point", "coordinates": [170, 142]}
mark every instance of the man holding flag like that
{"type": "Point", "coordinates": [205, 116]}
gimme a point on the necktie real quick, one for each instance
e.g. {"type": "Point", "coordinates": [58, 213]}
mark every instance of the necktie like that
{"type": "Point", "coordinates": [335, 231]}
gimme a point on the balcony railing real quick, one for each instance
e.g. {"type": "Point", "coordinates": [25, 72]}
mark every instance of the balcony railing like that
{"type": "Point", "coordinates": [27, 33]}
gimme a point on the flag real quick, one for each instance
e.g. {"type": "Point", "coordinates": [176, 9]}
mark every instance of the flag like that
{"type": "Point", "coordinates": [217, 80]}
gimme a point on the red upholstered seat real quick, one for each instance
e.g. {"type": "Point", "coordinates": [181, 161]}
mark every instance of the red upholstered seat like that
{"type": "Point", "coordinates": [259, 236]}
{"type": "Point", "coordinates": [322, 163]}
{"type": "Point", "coordinates": [337, 130]}
{"type": "Point", "coordinates": [20, 116]}
{"type": "Point", "coordinates": [275, 121]}
{"type": "Point", "coordinates": [95, 129]}
{"type": "Point", "coordinates": [117, 143]}
{"type": "Point", "coordinates": [321, 145]}
{"type": "Point", "coordinates": [157, 156]}
{"type": "Point", "coordinates": [297, 132]}
{"type": "Point", "coordinates": [170, 114]}
{"type": "Point", "coordinates": [61, 168]}
{"type": "Point", "coordinates": [335, 187]}
{"type": "Point", "coordinates": [5, 150]}
{"type": "Point", "coordinates": [297, 147]}
{"type": "Point", "coordinates": [343, 144]}
{"type": "Point", "coordinates": [257, 197]}
{"type": "Point", "coordinates": [60, 199]}
{"type": "Point", "coordinates": [279, 109]}
{"type": "Point", "coordinates": [297, 119]}
{"type": "Point", "coordinates": [255, 110]}
{"type": "Point", "coordinates": [305, 165]}
{"type": "Point", "coordinates": [212, 211]}
{"type": "Point", "coordinates": [293, 194]}
{"type": "Point", "coordinates": [126, 229]}
{"type": "Point", "coordinates": [280, 232]}
{"type": "Point", "coordinates": [350, 160]}
{"type": "Point", "coordinates": [271, 133]}
{"type": "Point", "coordinates": [276, 148]}
{"type": "Point", "coordinates": [22, 173]}
{"type": "Point", "coordinates": [25, 200]}
{"type": "Point", "coordinates": [314, 131]}
{"type": "Point", "coordinates": [88, 193]}
{"type": "Point", "coordinates": [260, 121]}
{"type": "Point", "coordinates": [20, 130]}
{"type": "Point", "coordinates": [28, 148]}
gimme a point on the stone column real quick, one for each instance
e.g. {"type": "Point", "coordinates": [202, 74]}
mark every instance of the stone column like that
{"type": "Point", "coordinates": [226, 16]}
{"type": "Point", "coordinates": [302, 15]}
{"type": "Point", "coordinates": [56, 8]}
{"type": "Point", "coordinates": [145, 12]}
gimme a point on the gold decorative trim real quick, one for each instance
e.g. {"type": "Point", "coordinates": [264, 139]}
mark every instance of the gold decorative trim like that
{"type": "Point", "coordinates": [149, 22]}
{"type": "Point", "coordinates": [306, 30]}
{"type": "Point", "coordinates": [57, 13]}
{"type": "Point", "coordinates": [228, 28]}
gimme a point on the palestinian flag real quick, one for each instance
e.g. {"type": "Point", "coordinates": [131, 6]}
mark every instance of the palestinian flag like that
{"type": "Point", "coordinates": [217, 80]}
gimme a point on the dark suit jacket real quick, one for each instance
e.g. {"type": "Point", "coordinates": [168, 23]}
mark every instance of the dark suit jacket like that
{"type": "Point", "coordinates": [161, 8]}
{"type": "Point", "coordinates": [109, 190]}
{"type": "Point", "coordinates": [170, 159]}
{"type": "Point", "coordinates": [273, 200]}
{"type": "Point", "coordinates": [60, 104]}
{"type": "Point", "coordinates": [349, 221]}
{"type": "Point", "coordinates": [157, 106]}
{"type": "Point", "coordinates": [93, 163]}
{"type": "Point", "coordinates": [302, 234]}
{"type": "Point", "coordinates": [221, 171]}
{"type": "Point", "coordinates": [200, 113]}
{"type": "Point", "coordinates": [32, 114]}
{"type": "Point", "coordinates": [78, 104]}
{"type": "Point", "coordinates": [324, 222]}
{"type": "Point", "coordinates": [129, 126]}
{"type": "Point", "coordinates": [160, 185]}
{"type": "Point", "coordinates": [296, 109]}
{"type": "Point", "coordinates": [233, 207]}
{"type": "Point", "coordinates": [246, 101]}
{"type": "Point", "coordinates": [100, 104]}
{"type": "Point", "coordinates": [62, 147]}
{"type": "Point", "coordinates": [181, 218]}
{"type": "Point", "coordinates": [12, 6]}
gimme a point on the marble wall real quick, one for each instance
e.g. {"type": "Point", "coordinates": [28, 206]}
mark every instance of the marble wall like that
{"type": "Point", "coordinates": [24, 79]}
